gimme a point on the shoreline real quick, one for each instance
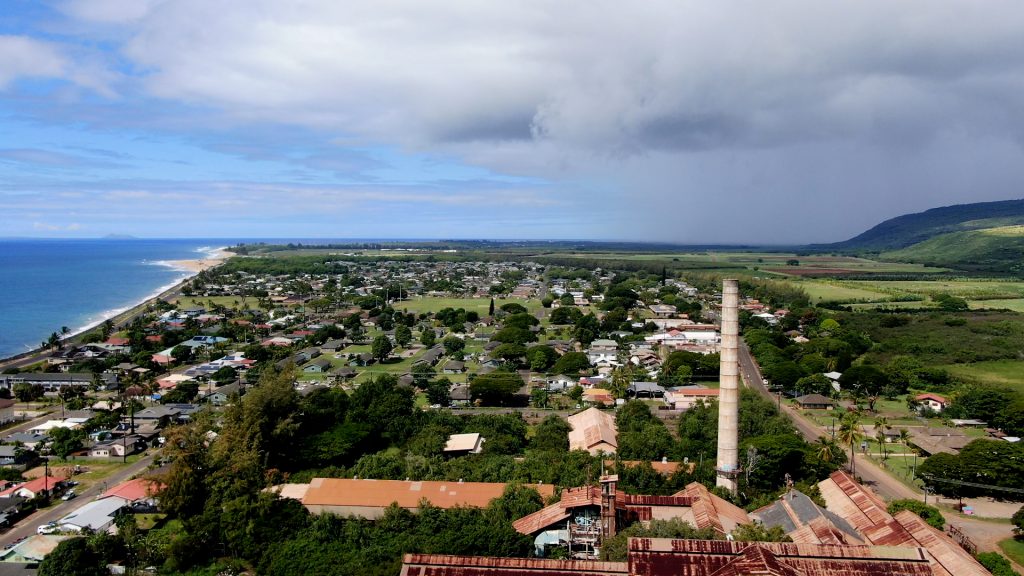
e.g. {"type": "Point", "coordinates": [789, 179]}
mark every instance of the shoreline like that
{"type": "Point", "coordinates": [190, 268]}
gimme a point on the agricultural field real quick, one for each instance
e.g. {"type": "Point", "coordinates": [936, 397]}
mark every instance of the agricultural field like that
{"type": "Point", "coordinates": [478, 305]}
{"type": "Point", "coordinates": [825, 291]}
{"type": "Point", "coordinates": [996, 372]}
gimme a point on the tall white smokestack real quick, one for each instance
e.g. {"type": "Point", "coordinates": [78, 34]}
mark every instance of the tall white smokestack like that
{"type": "Point", "coordinates": [729, 392]}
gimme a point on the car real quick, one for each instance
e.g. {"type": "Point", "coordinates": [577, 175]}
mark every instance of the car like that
{"type": "Point", "coordinates": [49, 528]}
{"type": "Point", "coordinates": [68, 495]}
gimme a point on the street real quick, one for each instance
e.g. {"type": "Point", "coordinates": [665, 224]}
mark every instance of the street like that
{"type": "Point", "coordinates": [983, 533]}
{"type": "Point", "coordinates": [28, 525]}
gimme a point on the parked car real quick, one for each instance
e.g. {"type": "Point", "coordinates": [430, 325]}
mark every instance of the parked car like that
{"type": "Point", "coordinates": [48, 528]}
{"type": "Point", "coordinates": [68, 495]}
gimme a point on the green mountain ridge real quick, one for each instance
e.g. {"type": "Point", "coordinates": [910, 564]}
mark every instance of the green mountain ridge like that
{"type": "Point", "coordinates": [998, 250]}
{"type": "Point", "coordinates": [910, 229]}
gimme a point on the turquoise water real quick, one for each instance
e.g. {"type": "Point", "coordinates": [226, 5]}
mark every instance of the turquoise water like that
{"type": "Point", "coordinates": [47, 284]}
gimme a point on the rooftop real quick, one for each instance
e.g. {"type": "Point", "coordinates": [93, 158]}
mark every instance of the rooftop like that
{"type": "Point", "coordinates": [407, 494]}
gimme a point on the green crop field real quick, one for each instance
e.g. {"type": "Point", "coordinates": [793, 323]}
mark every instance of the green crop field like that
{"type": "Point", "coordinates": [997, 372]}
{"type": "Point", "coordinates": [973, 289]}
{"type": "Point", "coordinates": [820, 291]}
{"type": "Point", "coordinates": [1015, 304]}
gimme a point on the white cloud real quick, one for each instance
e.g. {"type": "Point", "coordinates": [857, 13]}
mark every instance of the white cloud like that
{"type": "Point", "coordinates": [21, 56]}
{"type": "Point", "coordinates": [664, 112]}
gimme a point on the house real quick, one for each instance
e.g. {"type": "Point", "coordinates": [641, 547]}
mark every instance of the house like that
{"type": "Point", "coordinates": [431, 356]}
{"type": "Point", "coordinates": [119, 448]}
{"type": "Point", "coordinates": [30, 440]}
{"type": "Point", "coordinates": [137, 490]}
{"type": "Point", "coordinates": [318, 366]}
{"type": "Point", "coordinates": [454, 367]}
{"type": "Point", "coordinates": [593, 431]}
{"type": "Point", "coordinates": [461, 444]}
{"type": "Point", "coordinates": [663, 310]}
{"type": "Point", "coordinates": [222, 395]}
{"type": "Point", "coordinates": [9, 508]}
{"type": "Point", "coordinates": [365, 498]}
{"type": "Point", "coordinates": [933, 402]}
{"type": "Point", "coordinates": [14, 456]}
{"type": "Point", "coordinates": [645, 390]}
{"type": "Point", "coordinates": [159, 415]}
{"type": "Point", "coordinates": [814, 402]}
{"type": "Point", "coordinates": [685, 397]}
{"type": "Point", "coordinates": [96, 516]}
{"type": "Point", "coordinates": [459, 394]}
{"type": "Point", "coordinates": [598, 396]}
{"type": "Point", "coordinates": [33, 488]}
{"type": "Point", "coordinates": [333, 346]}
{"type": "Point", "coordinates": [560, 383]}
{"type": "Point", "coordinates": [344, 373]}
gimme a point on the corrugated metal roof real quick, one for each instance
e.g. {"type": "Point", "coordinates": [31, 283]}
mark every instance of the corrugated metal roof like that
{"type": "Point", "coordinates": [381, 493]}
{"type": "Point", "coordinates": [657, 557]}
{"type": "Point", "coordinates": [439, 565]}
{"type": "Point", "coordinates": [710, 511]}
{"type": "Point", "coordinates": [868, 514]}
{"type": "Point", "coordinates": [545, 517]}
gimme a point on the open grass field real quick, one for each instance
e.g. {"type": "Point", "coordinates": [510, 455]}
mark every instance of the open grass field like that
{"type": "Point", "coordinates": [1015, 304]}
{"type": "Point", "coordinates": [478, 305]}
{"type": "Point", "coordinates": [1014, 550]}
{"type": "Point", "coordinates": [234, 302]}
{"type": "Point", "coordinates": [821, 291]}
{"type": "Point", "coordinates": [996, 372]}
{"type": "Point", "coordinates": [969, 289]}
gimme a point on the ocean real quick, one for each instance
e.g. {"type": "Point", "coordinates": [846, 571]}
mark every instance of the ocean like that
{"type": "Point", "coordinates": [47, 284]}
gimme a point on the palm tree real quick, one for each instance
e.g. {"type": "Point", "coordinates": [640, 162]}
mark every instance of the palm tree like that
{"type": "Point", "coordinates": [905, 440]}
{"type": "Point", "coordinates": [881, 425]}
{"type": "Point", "coordinates": [849, 433]}
{"type": "Point", "coordinates": [825, 449]}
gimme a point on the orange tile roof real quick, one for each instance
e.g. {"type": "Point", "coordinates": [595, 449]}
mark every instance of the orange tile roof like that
{"type": "Point", "coordinates": [134, 490]}
{"type": "Point", "coordinates": [382, 493]}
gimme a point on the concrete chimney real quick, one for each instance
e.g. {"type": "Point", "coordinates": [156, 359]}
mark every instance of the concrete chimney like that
{"type": "Point", "coordinates": [729, 392]}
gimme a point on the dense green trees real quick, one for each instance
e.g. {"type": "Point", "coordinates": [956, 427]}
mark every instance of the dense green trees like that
{"type": "Point", "coordinates": [929, 514]}
{"type": "Point", "coordinates": [985, 462]}
{"type": "Point", "coordinates": [73, 557]}
{"type": "Point", "coordinates": [495, 389]}
{"type": "Point", "coordinates": [571, 363]}
{"type": "Point", "coordinates": [381, 348]}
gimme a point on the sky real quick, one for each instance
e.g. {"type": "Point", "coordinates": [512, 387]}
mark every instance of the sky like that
{"type": "Point", "coordinates": [691, 122]}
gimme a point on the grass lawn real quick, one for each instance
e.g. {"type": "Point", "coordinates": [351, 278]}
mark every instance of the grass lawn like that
{"type": "Point", "coordinates": [996, 372]}
{"type": "Point", "coordinates": [1014, 549]}
{"type": "Point", "coordinates": [149, 521]}
{"type": "Point", "coordinates": [186, 302]}
{"type": "Point", "coordinates": [1015, 304]}
{"type": "Point", "coordinates": [479, 305]}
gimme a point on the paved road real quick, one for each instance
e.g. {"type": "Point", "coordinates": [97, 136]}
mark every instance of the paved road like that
{"type": "Point", "coordinates": [887, 486]}
{"type": "Point", "coordinates": [28, 525]}
{"type": "Point", "coordinates": [984, 534]}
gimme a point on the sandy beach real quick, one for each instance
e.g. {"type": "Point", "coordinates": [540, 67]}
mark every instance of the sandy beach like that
{"type": "Point", "coordinates": [214, 258]}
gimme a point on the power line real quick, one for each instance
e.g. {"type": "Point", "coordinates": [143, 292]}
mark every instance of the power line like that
{"type": "Point", "coordinates": [972, 484]}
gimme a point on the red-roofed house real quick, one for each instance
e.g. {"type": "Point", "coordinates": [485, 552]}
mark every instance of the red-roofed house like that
{"type": "Point", "coordinates": [33, 488]}
{"type": "Point", "coordinates": [932, 401]}
{"type": "Point", "coordinates": [135, 490]}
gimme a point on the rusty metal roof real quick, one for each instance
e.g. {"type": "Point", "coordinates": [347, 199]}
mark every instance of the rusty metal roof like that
{"type": "Point", "coordinates": [545, 517]}
{"type": "Point", "coordinates": [407, 494]}
{"type": "Point", "coordinates": [710, 511]}
{"type": "Point", "coordinates": [657, 557]}
{"type": "Point", "coordinates": [439, 565]}
{"type": "Point", "coordinates": [853, 502]}
{"type": "Point", "coordinates": [862, 508]}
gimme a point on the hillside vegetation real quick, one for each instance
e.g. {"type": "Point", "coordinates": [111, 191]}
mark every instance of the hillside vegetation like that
{"type": "Point", "coordinates": [997, 250]}
{"type": "Point", "coordinates": [910, 229]}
